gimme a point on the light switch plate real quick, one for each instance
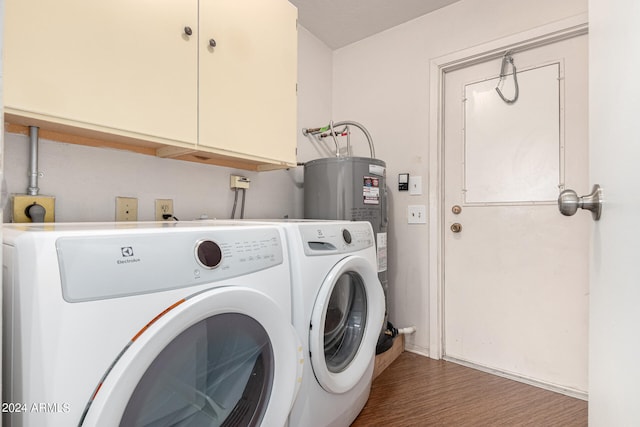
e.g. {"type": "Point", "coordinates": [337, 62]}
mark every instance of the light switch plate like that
{"type": "Point", "coordinates": [417, 214]}
{"type": "Point", "coordinates": [415, 185]}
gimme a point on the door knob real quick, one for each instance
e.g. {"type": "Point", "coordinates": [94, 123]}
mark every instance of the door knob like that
{"type": "Point", "coordinates": [456, 227]}
{"type": "Point", "coordinates": [569, 202]}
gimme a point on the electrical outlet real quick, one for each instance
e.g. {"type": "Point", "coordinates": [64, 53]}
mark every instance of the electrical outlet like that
{"type": "Point", "coordinates": [126, 209]}
{"type": "Point", "coordinates": [22, 201]}
{"type": "Point", "coordinates": [164, 207]}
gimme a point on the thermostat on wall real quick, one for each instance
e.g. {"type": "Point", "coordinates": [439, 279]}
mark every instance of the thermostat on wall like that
{"type": "Point", "coordinates": [403, 182]}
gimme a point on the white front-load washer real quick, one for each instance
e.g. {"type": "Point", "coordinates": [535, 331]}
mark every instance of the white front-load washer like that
{"type": "Point", "coordinates": [148, 324]}
{"type": "Point", "coordinates": [338, 311]}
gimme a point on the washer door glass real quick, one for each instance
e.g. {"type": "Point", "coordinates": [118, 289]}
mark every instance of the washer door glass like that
{"type": "Point", "coordinates": [345, 324]}
{"type": "Point", "coordinates": [224, 357]}
{"type": "Point", "coordinates": [217, 372]}
{"type": "Point", "coordinates": [345, 321]}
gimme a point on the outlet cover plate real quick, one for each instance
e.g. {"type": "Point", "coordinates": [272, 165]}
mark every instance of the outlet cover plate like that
{"type": "Point", "coordinates": [164, 207]}
{"type": "Point", "coordinates": [126, 209]}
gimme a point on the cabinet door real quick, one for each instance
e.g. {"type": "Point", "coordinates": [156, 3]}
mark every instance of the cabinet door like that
{"type": "Point", "coordinates": [247, 81]}
{"type": "Point", "coordinates": [120, 66]}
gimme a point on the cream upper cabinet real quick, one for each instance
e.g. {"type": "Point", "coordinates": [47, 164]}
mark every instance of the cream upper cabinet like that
{"type": "Point", "coordinates": [117, 66]}
{"type": "Point", "coordinates": [149, 73]}
{"type": "Point", "coordinates": [248, 79]}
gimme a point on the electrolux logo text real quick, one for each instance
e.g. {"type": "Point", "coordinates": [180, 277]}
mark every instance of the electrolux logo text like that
{"type": "Point", "coordinates": [127, 255]}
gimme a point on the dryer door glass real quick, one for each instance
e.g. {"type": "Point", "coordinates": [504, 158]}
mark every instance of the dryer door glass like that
{"type": "Point", "coordinates": [344, 324]}
{"type": "Point", "coordinates": [217, 372]}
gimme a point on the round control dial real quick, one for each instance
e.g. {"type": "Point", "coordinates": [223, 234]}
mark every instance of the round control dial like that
{"type": "Point", "coordinates": [208, 254]}
{"type": "Point", "coordinates": [346, 236]}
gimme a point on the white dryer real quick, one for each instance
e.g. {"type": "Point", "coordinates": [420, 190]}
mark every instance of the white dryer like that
{"type": "Point", "coordinates": [338, 311]}
{"type": "Point", "coordinates": [154, 324]}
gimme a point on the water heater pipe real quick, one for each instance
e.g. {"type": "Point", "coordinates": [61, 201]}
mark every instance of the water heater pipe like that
{"type": "Point", "coordinates": [331, 127]}
{"type": "Point", "coordinates": [33, 189]}
{"type": "Point", "coordinates": [364, 130]}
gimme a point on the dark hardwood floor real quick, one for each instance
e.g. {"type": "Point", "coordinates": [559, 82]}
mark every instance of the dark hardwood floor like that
{"type": "Point", "coordinates": [417, 391]}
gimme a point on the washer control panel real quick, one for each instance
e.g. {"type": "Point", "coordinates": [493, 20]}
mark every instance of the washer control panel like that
{"type": "Point", "coordinates": [115, 265]}
{"type": "Point", "coordinates": [339, 237]}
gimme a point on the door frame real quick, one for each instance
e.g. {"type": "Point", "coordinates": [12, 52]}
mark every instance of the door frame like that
{"type": "Point", "coordinates": [438, 67]}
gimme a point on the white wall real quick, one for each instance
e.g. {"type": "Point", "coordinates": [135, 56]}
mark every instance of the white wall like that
{"type": "Point", "coordinates": [86, 180]}
{"type": "Point", "coordinates": [383, 83]}
{"type": "Point", "coordinates": [315, 64]}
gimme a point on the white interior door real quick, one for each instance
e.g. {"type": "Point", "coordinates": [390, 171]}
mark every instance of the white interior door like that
{"type": "Point", "coordinates": [614, 341]}
{"type": "Point", "coordinates": [516, 271]}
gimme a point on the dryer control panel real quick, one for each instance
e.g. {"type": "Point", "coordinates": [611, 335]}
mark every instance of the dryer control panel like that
{"type": "Point", "coordinates": [332, 238]}
{"type": "Point", "coordinates": [116, 265]}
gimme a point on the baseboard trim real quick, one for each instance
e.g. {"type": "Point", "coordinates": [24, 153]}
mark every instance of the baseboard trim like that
{"type": "Point", "coordinates": [547, 386]}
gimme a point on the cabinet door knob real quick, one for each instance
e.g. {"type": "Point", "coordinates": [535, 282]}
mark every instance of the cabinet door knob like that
{"type": "Point", "coordinates": [188, 31]}
{"type": "Point", "coordinates": [212, 42]}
